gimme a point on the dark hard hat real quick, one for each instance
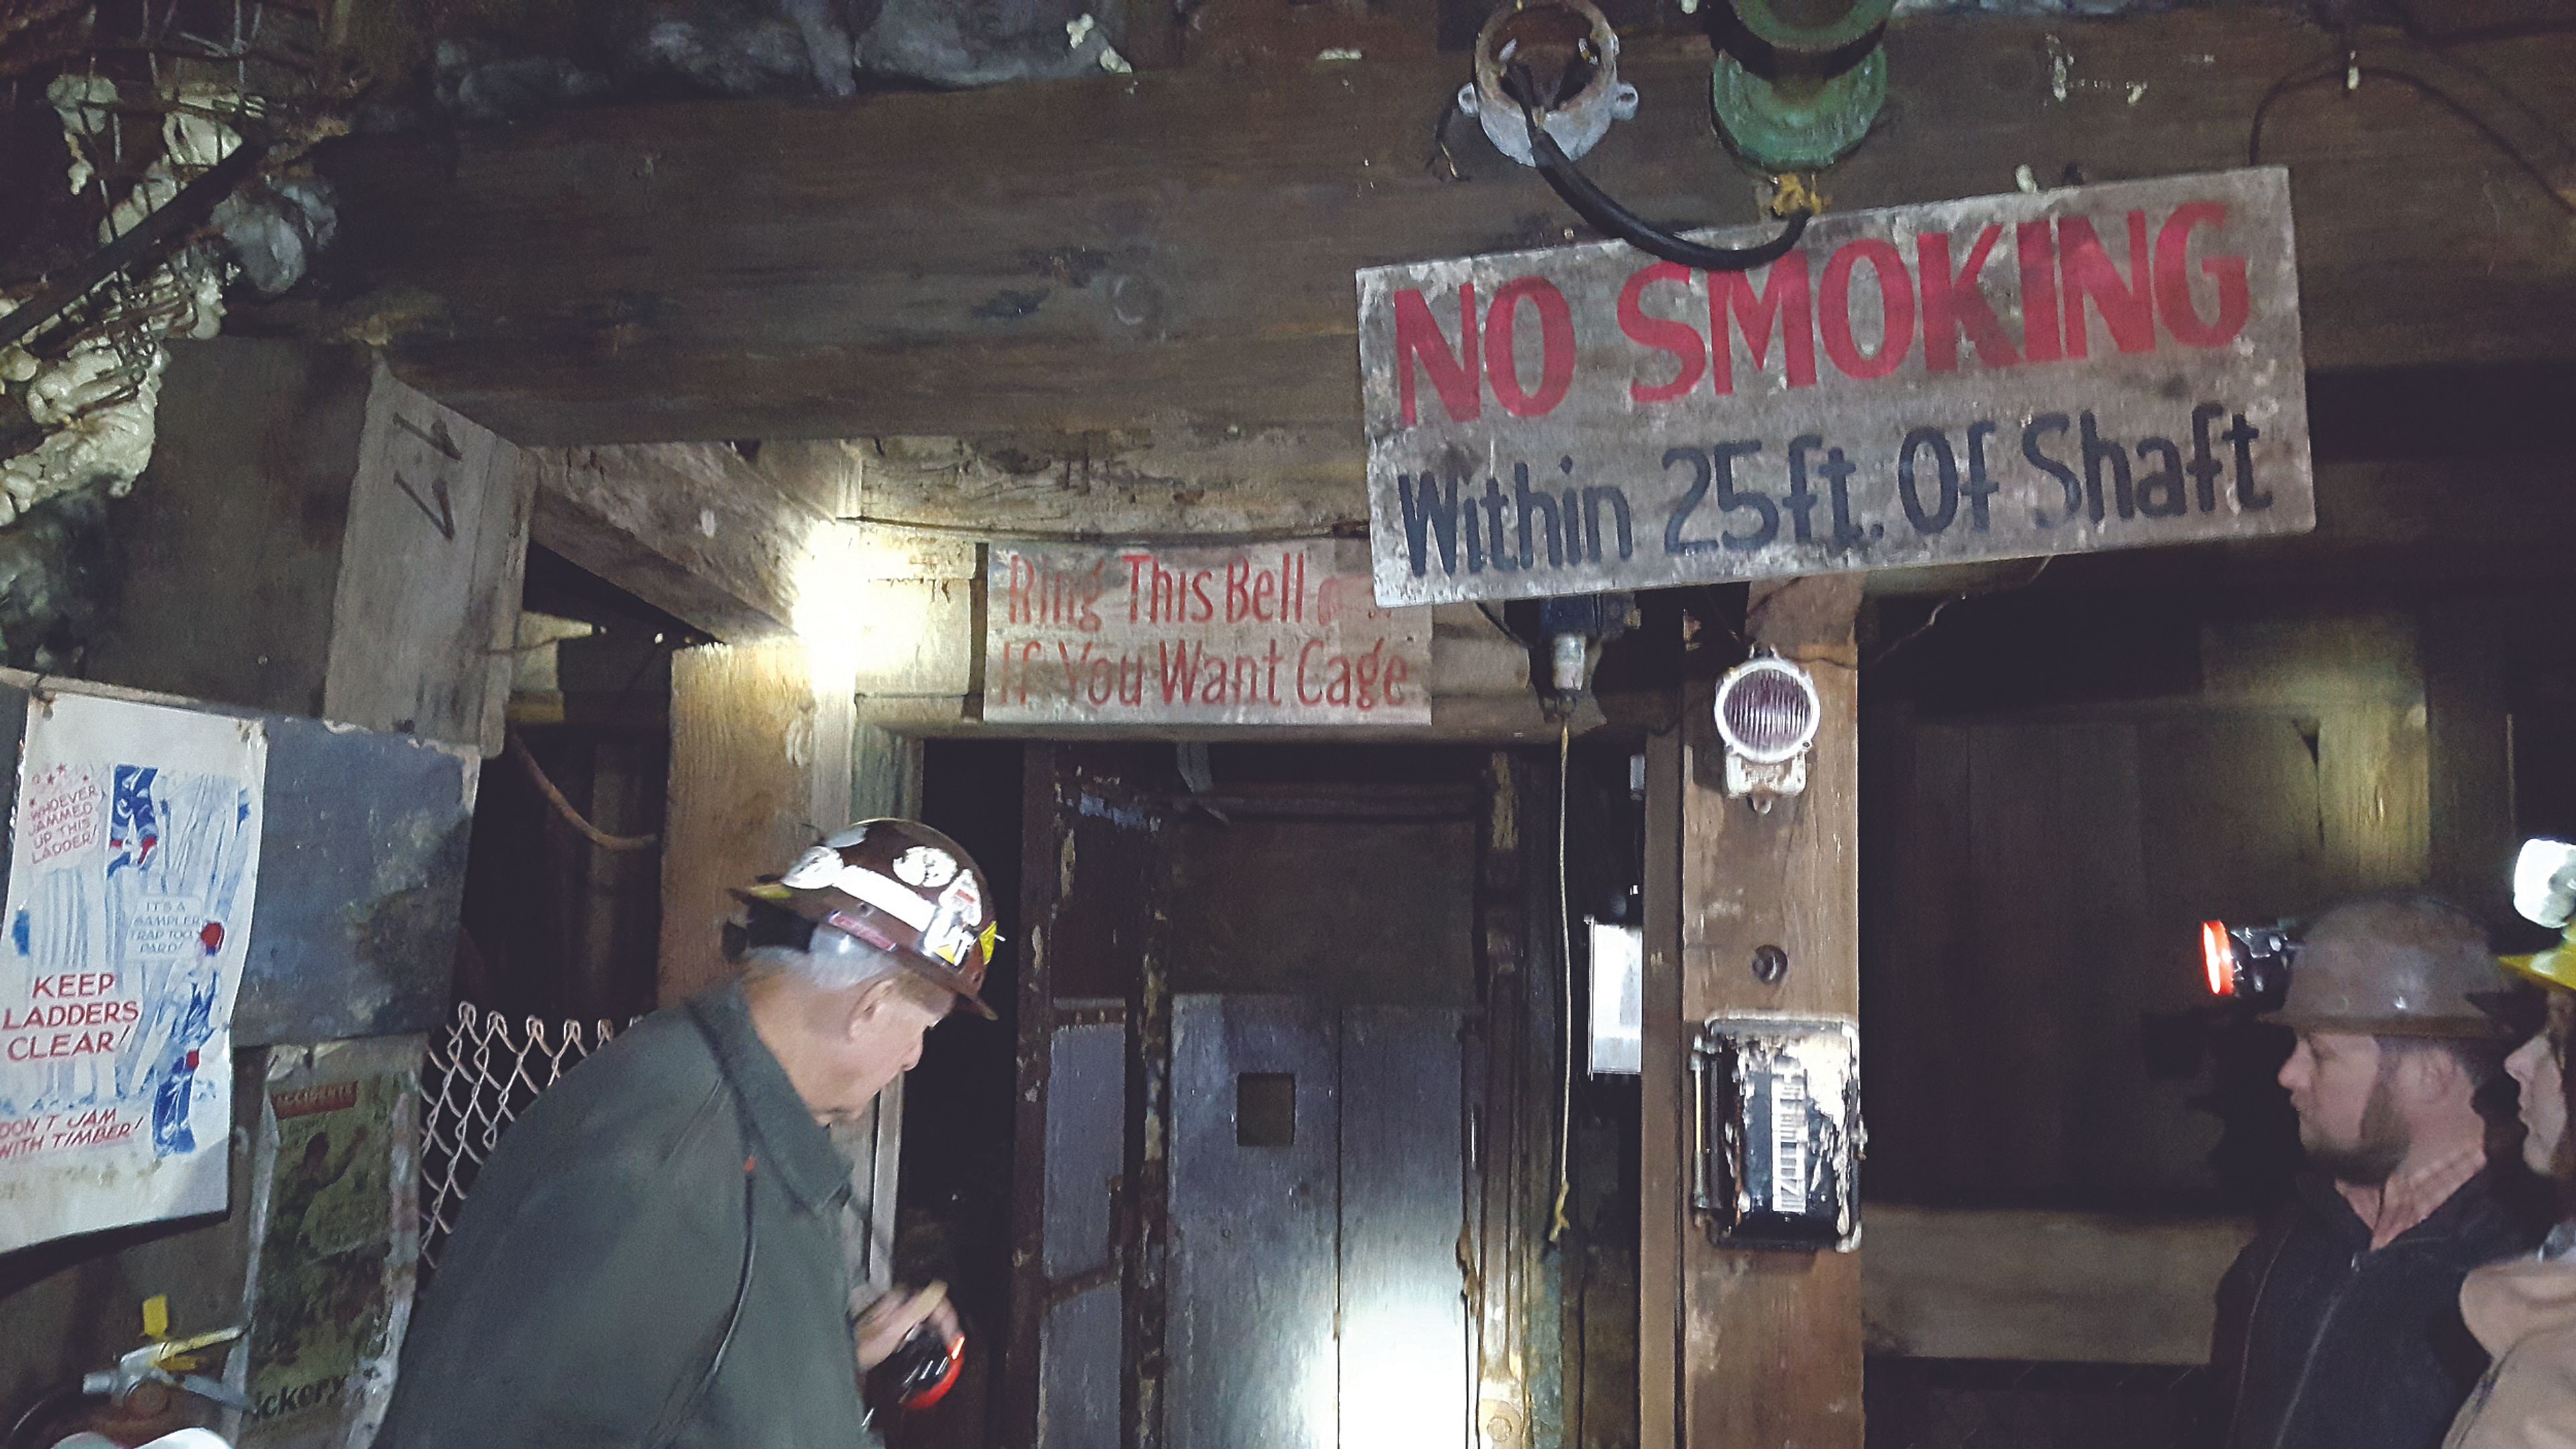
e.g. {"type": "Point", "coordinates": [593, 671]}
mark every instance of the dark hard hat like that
{"type": "Point", "coordinates": [2395, 965]}
{"type": "Point", "coordinates": [903, 888]}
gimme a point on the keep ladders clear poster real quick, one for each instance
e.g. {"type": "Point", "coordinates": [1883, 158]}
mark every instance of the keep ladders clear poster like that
{"type": "Point", "coordinates": [133, 859]}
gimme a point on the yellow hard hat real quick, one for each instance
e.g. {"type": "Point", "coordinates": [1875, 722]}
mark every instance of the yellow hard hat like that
{"type": "Point", "coordinates": [2544, 893]}
{"type": "Point", "coordinates": [2555, 967]}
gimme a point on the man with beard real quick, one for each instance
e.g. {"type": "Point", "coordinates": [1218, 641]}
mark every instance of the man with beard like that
{"type": "Point", "coordinates": [2339, 1327]}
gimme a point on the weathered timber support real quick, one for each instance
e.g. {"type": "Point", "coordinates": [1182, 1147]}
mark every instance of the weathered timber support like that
{"type": "Point", "coordinates": [1771, 1341]}
{"type": "Point", "coordinates": [623, 274]}
{"type": "Point", "coordinates": [315, 537]}
{"type": "Point", "coordinates": [1662, 1082]}
{"type": "Point", "coordinates": [691, 529]}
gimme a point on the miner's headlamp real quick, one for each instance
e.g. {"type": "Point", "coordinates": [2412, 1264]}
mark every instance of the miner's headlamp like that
{"type": "Point", "coordinates": [2250, 964]}
{"type": "Point", "coordinates": [2544, 893]}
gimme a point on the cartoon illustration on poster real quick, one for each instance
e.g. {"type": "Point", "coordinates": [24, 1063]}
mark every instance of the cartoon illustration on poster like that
{"type": "Point", "coordinates": [339, 1243]}
{"type": "Point", "coordinates": [133, 860]}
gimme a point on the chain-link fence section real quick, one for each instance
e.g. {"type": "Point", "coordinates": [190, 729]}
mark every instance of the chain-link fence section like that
{"type": "Point", "coordinates": [1961, 1404]}
{"type": "Point", "coordinates": [479, 1075]}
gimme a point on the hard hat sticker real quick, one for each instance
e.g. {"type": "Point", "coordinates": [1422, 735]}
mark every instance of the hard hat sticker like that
{"type": "Point", "coordinates": [953, 932]}
{"type": "Point", "coordinates": [925, 866]}
{"type": "Point", "coordinates": [948, 940]}
{"type": "Point", "coordinates": [814, 869]}
{"type": "Point", "coordinates": [882, 892]}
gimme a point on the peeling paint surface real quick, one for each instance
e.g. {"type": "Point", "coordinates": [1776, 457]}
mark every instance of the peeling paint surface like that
{"type": "Point", "coordinates": [2009, 376]}
{"type": "Point", "coordinates": [1782, 1136]}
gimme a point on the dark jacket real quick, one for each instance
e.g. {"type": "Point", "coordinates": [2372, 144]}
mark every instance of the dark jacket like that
{"type": "Point", "coordinates": [592, 1273]}
{"type": "Point", "coordinates": [2323, 1343]}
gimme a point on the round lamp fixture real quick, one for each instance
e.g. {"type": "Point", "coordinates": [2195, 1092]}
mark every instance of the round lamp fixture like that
{"type": "Point", "coordinates": [1767, 716]}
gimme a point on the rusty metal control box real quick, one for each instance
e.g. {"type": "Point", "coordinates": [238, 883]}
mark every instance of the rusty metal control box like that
{"type": "Point", "coordinates": [1777, 1127]}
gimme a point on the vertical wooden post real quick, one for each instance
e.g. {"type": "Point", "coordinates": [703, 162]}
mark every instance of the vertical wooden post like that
{"type": "Point", "coordinates": [1662, 1081]}
{"type": "Point", "coordinates": [1503, 1195]}
{"type": "Point", "coordinates": [760, 767]}
{"type": "Point", "coordinates": [885, 779]}
{"type": "Point", "coordinates": [1771, 1341]}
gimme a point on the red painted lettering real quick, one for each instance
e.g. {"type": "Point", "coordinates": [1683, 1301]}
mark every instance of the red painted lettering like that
{"type": "Point", "coordinates": [1895, 308]}
{"type": "Point", "coordinates": [1453, 372]}
{"type": "Point", "coordinates": [2127, 306]}
{"type": "Point", "coordinates": [2040, 338]}
{"type": "Point", "coordinates": [1021, 577]}
{"type": "Point", "coordinates": [2173, 280]}
{"type": "Point", "coordinates": [1782, 304]}
{"type": "Point", "coordinates": [1556, 347]}
{"type": "Point", "coordinates": [1953, 302]}
{"type": "Point", "coordinates": [1682, 340]}
{"type": "Point", "coordinates": [1306, 695]}
{"type": "Point", "coordinates": [1137, 563]}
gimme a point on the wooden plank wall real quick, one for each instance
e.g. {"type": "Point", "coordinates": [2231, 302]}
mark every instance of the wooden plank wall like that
{"type": "Point", "coordinates": [2045, 1287]}
{"type": "Point", "coordinates": [760, 769]}
{"type": "Point", "coordinates": [2045, 873]}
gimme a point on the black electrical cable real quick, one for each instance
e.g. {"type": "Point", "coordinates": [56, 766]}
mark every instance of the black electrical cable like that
{"type": "Point", "coordinates": [2344, 70]}
{"type": "Point", "coordinates": [48, 1406]}
{"type": "Point", "coordinates": [733, 1318]}
{"type": "Point", "coordinates": [1605, 214]}
{"type": "Point", "coordinates": [669, 1433]}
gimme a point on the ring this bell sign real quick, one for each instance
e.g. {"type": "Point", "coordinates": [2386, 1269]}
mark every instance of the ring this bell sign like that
{"type": "Point", "coordinates": [2012, 376]}
{"type": "Point", "coordinates": [1283, 633]}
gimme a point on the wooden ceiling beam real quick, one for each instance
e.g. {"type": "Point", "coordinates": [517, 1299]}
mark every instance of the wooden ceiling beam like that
{"type": "Point", "coordinates": [1173, 252]}
{"type": "Point", "coordinates": [690, 528]}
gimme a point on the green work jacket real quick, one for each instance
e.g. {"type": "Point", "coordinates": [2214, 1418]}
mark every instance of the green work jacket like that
{"type": "Point", "coordinates": [588, 1282]}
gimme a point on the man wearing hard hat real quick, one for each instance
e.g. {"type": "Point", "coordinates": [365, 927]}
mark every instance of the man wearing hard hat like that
{"type": "Point", "coordinates": [653, 1258]}
{"type": "Point", "coordinates": [2523, 1310]}
{"type": "Point", "coordinates": [2339, 1326]}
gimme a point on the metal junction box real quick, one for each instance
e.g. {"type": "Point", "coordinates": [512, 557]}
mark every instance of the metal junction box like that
{"type": "Point", "coordinates": [1778, 1131]}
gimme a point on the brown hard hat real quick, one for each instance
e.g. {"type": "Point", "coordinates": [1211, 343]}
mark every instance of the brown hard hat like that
{"type": "Point", "coordinates": [2395, 965]}
{"type": "Point", "coordinates": [903, 888]}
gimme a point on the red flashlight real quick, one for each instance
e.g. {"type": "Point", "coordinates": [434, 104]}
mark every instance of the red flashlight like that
{"type": "Point", "coordinates": [924, 1368]}
{"type": "Point", "coordinates": [2250, 964]}
{"type": "Point", "coordinates": [2218, 958]}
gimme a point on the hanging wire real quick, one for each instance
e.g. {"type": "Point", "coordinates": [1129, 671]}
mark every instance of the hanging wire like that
{"type": "Point", "coordinates": [564, 807]}
{"type": "Point", "coordinates": [2350, 71]}
{"type": "Point", "coordinates": [1919, 630]}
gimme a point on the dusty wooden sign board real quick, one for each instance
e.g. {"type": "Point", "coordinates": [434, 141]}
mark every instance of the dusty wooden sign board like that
{"type": "Point", "coordinates": [1268, 634]}
{"type": "Point", "coordinates": [2010, 376]}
